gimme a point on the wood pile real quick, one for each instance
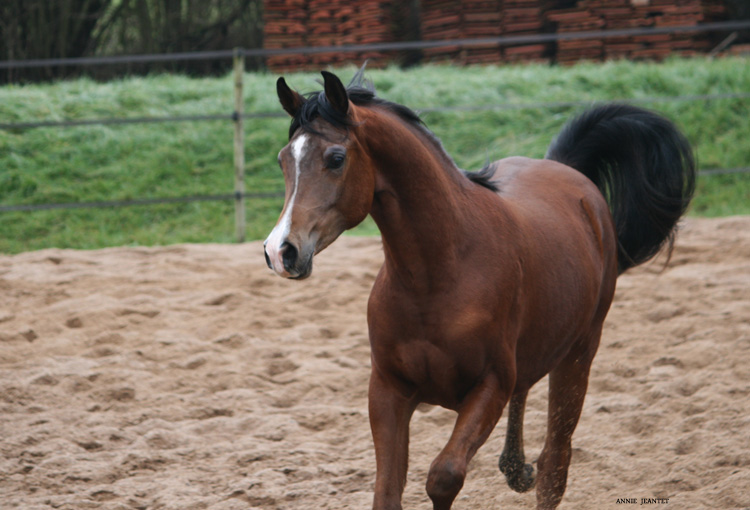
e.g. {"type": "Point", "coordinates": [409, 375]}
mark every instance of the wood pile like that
{"type": "Point", "coordinates": [301, 23]}
{"type": "Point", "coordinates": [474, 19]}
{"type": "Point", "coordinates": [526, 17]}
{"type": "Point", "coordinates": [623, 14]}
{"type": "Point", "coordinates": [740, 49]}
{"type": "Point", "coordinates": [441, 20]}
{"type": "Point", "coordinates": [298, 23]}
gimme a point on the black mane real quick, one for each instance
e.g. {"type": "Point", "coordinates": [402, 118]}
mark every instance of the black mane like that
{"type": "Point", "coordinates": [361, 92]}
{"type": "Point", "coordinates": [484, 177]}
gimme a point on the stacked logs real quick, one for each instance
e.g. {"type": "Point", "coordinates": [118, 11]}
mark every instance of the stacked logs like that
{"type": "Point", "coordinates": [299, 23]}
{"type": "Point", "coordinates": [441, 20]}
{"type": "Point", "coordinates": [474, 19]}
{"type": "Point", "coordinates": [285, 26]}
{"type": "Point", "coordinates": [623, 14]}
{"type": "Point", "coordinates": [524, 17]}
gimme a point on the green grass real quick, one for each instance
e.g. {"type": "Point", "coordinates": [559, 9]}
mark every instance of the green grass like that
{"type": "Point", "coordinates": [92, 163]}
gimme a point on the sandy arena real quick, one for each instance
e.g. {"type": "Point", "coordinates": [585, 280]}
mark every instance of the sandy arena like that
{"type": "Point", "coordinates": [190, 377]}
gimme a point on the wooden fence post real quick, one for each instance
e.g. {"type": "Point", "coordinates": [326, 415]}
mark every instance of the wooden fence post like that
{"type": "Point", "coordinates": [239, 147]}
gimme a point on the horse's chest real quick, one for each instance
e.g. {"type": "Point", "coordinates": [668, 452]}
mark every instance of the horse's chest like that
{"type": "Point", "coordinates": [438, 352]}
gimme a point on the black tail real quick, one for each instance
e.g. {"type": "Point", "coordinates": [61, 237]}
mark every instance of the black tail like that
{"type": "Point", "coordinates": [643, 166]}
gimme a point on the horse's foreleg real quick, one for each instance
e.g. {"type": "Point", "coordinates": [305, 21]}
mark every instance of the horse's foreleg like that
{"type": "Point", "coordinates": [477, 417]}
{"type": "Point", "coordinates": [390, 414]}
{"type": "Point", "coordinates": [518, 474]}
{"type": "Point", "coordinates": [567, 389]}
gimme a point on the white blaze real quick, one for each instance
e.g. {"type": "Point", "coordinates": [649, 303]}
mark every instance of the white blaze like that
{"type": "Point", "coordinates": [278, 235]}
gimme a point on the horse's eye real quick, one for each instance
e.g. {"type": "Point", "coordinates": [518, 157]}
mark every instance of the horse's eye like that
{"type": "Point", "coordinates": [335, 161]}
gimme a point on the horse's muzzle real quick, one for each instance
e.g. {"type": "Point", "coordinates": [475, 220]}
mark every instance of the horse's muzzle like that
{"type": "Point", "coordinates": [288, 262]}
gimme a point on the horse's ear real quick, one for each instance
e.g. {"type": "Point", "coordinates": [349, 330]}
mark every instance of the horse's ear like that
{"type": "Point", "coordinates": [335, 92]}
{"type": "Point", "coordinates": [290, 100]}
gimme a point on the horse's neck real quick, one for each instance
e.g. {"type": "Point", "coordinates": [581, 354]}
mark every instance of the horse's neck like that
{"type": "Point", "coordinates": [421, 205]}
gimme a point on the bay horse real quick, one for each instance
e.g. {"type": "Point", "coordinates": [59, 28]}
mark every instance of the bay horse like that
{"type": "Point", "coordinates": [491, 279]}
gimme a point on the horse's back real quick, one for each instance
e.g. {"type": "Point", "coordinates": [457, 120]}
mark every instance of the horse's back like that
{"type": "Point", "coordinates": [555, 201]}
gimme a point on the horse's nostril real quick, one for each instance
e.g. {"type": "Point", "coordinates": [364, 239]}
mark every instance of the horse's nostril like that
{"type": "Point", "coordinates": [289, 255]}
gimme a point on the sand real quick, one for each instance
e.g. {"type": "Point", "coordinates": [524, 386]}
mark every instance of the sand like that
{"type": "Point", "coordinates": [190, 377]}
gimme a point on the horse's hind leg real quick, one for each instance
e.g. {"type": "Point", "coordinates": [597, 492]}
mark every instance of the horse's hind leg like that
{"type": "Point", "coordinates": [567, 389]}
{"type": "Point", "coordinates": [518, 474]}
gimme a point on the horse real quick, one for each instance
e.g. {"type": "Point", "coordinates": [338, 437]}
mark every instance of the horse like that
{"type": "Point", "coordinates": [491, 279]}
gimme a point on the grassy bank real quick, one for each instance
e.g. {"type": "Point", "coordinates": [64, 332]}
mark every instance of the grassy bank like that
{"type": "Point", "coordinates": [52, 165]}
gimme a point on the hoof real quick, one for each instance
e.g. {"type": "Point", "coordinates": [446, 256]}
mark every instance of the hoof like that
{"type": "Point", "coordinates": [520, 477]}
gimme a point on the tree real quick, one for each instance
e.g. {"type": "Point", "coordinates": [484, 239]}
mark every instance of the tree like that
{"type": "Point", "coordinates": [33, 29]}
{"type": "Point", "coordinates": [42, 29]}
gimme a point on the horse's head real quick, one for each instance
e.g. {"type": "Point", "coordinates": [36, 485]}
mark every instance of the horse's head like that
{"type": "Point", "coordinates": [328, 176]}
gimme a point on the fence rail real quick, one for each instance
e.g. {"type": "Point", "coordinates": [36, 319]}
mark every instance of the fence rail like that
{"type": "Point", "coordinates": [722, 26]}
{"type": "Point", "coordinates": [222, 197]}
{"type": "Point", "coordinates": [425, 110]}
{"type": "Point", "coordinates": [238, 115]}
{"type": "Point", "coordinates": [139, 201]}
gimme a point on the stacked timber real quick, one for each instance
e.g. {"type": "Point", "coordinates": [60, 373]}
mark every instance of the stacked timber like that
{"type": "Point", "coordinates": [624, 14]}
{"type": "Point", "coordinates": [440, 21]}
{"type": "Point", "coordinates": [285, 26]}
{"type": "Point", "coordinates": [476, 19]}
{"type": "Point", "coordinates": [310, 23]}
{"type": "Point", "coordinates": [480, 19]}
{"type": "Point", "coordinates": [315, 23]}
{"type": "Point", "coordinates": [526, 17]}
{"type": "Point", "coordinates": [740, 49]}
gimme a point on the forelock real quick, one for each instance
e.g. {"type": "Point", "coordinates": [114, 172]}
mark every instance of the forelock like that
{"type": "Point", "coordinates": [361, 92]}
